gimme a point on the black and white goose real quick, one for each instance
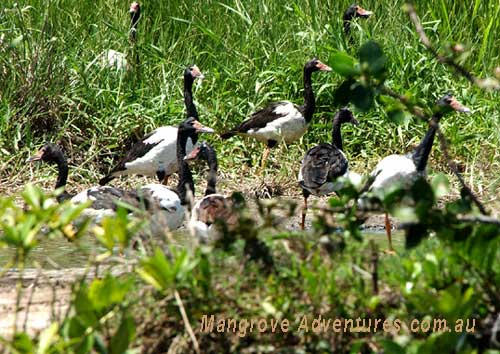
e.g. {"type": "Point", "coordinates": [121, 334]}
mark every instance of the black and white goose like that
{"type": "Point", "coordinates": [404, 169]}
{"type": "Point", "coordinates": [155, 154]}
{"type": "Point", "coordinates": [353, 11]}
{"type": "Point", "coordinates": [213, 206]}
{"type": "Point", "coordinates": [185, 187]}
{"type": "Point", "coordinates": [282, 121]}
{"type": "Point", "coordinates": [115, 59]}
{"type": "Point", "coordinates": [323, 164]}
{"type": "Point", "coordinates": [105, 200]}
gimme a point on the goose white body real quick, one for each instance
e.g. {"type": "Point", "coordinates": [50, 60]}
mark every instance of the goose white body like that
{"type": "Point", "coordinates": [289, 128]}
{"type": "Point", "coordinates": [170, 212]}
{"type": "Point", "coordinates": [114, 59]}
{"type": "Point", "coordinates": [393, 169]}
{"type": "Point", "coordinates": [160, 157]}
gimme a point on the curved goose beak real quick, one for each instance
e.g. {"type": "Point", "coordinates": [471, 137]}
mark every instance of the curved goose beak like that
{"type": "Point", "coordinates": [196, 72]}
{"type": "Point", "coordinates": [200, 128]}
{"type": "Point", "coordinates": [193, 155]}
{"type": "Point", "coordinates": [360, 12]}
{"type": "Point", "coordinates": [354, 121]}
{"type": "Point", "coordinates": [323, 67]}
{"type": "Point", "coordinates": [36, 157]}
{"type": "Point", "coordinates": [457, 106]}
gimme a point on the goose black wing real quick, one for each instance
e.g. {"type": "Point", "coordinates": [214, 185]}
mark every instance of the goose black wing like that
{"type": "Point", "coordinates": [264, 116]}
{"type": "Point", "coordinates": [111, 198]}
{"type": "Point", "coordinates": [138, 150]}
{"type": "Point", "coordinates": [323, 163]}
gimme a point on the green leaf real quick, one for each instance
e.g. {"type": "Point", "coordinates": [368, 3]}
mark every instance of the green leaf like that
{"type": "Point", "coordinates": [47, 337]}
{"type": "Point", "coordinates": [343, 64]}
{"type": "Point", "coordinates": [397, 116]}
{"type": "Point", "coordinates": [371, 55]}
{"type": "Point", "coordinates": [391, 347]}
{"type": "Point", "coordinates": [362, 97]}
{"type": "Point", "coordinates": [123, 336]}
{"type": "Point", "coordinates": [22, 343]}
{"type": "Point", "coordinates": [107, 292]}
{"type": "Point", "coordinates": [415, 233]}
{"type": "Point", "coordinates": [342, 95]}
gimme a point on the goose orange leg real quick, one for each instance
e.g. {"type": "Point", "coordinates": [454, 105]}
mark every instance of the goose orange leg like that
{"type": "Point", "coordinates": [304, 212]}
{"type": "Point", "coordinates": [388, 231]}
{"type": "Point", "coordinates": [265, 155]}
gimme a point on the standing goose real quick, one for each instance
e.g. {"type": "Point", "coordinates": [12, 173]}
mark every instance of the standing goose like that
{"type": "Point", "coordinates": [353, 11]}
{"type": "Point", "coordinates": [404, 169]}
{"type": "Point", "coordinates": [104, 199]}
{"type": "Point", "coordinates": [155, 154]}
{"type": "Point", "coordinates": [282, 121]}
{"type": "Point", "coordinates": [212, 207]}
{"type": "Point", "coordinates": [323, 164]}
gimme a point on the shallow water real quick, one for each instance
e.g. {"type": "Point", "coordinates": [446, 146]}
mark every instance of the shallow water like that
{"type": "Point", "coordinates": [59, 253]}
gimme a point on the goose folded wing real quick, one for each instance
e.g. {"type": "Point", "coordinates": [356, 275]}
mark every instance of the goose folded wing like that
{"type": "Point", "coordinates": [141, 148]}
{"type": "Point", "coordinates": [267, 115]}
{"type": "Point", "coordinates": [323, 163]}
{"type": "Point", "coordinates": [110, 198]}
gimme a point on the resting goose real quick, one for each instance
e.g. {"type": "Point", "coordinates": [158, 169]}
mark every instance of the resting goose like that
{"type": "Point", "coordinates": [281, 121]}
{"type": "Point", "coordinates": [323, 164]}
{"type": "Point", "coordinates": [353, 11]}
{"type": "Point", "coordinates": [105, 199]}
{"type": "Point", "coordinates": [404, 169]}
{"type": "Point", "coordinates": [212, 207]}
{"type": "Point", "coordinates": [155, 154]}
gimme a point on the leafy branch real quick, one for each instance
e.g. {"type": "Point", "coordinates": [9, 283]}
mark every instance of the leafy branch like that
{"type": "Point", "coordinates": [488, 83]}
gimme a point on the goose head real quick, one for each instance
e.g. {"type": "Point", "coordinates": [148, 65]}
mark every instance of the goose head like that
{"type": "Point", "coordinates": [48, 153]}
{"type": "Point", "coordinates": [316, 65]}
{"type": "Point", "coordinates": [345, 116]}
{"type": "Point", "coordinates": [192, 126]}
{"type": "Point", "coordinates": [449, 103]}
{"type": "Point", "coordinates": [193, 72]}
{"type": "Point", "coordinates": [200, 152]}
{"type": "Point", "coordinates": [354, 11]}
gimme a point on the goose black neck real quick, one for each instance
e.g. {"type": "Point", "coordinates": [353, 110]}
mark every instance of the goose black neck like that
{"type": "Point", "coordinates": [62, 169]}
{"type": "Point", "coordinates": [185, 177]}
{"type": "Point", "coordinates": [134, 19]}
{"type": "Point", "coordinates": [347, 28]}
{"type": "Point", "coordinates": [62, 176]}
{"type": "Point", "coordinates": [336, 136]}
{"type": "Point", "coordinates": [309, 101]}
{"type": "Point", "coordinates": [423, 150]}
{"type": "Point", "coordinates": [212, 173]}
{"type": "Point", "coordinates": [188, 97]}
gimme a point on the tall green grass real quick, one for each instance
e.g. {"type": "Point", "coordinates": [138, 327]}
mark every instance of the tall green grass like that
{"type": "Point", "coordinates": [251, 52]}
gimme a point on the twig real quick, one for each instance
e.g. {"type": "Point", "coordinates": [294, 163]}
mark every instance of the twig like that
{"type": "Point", "coordinates": [452, 165]}
{"type": "Point", "coordinates": [417, 111]}
{"type": "Point", "coordinates": [480, 219]}
{"type": "Point", "coordinates": [186, 322]}
{"type": "Point", "coordinates": [483, 83]}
